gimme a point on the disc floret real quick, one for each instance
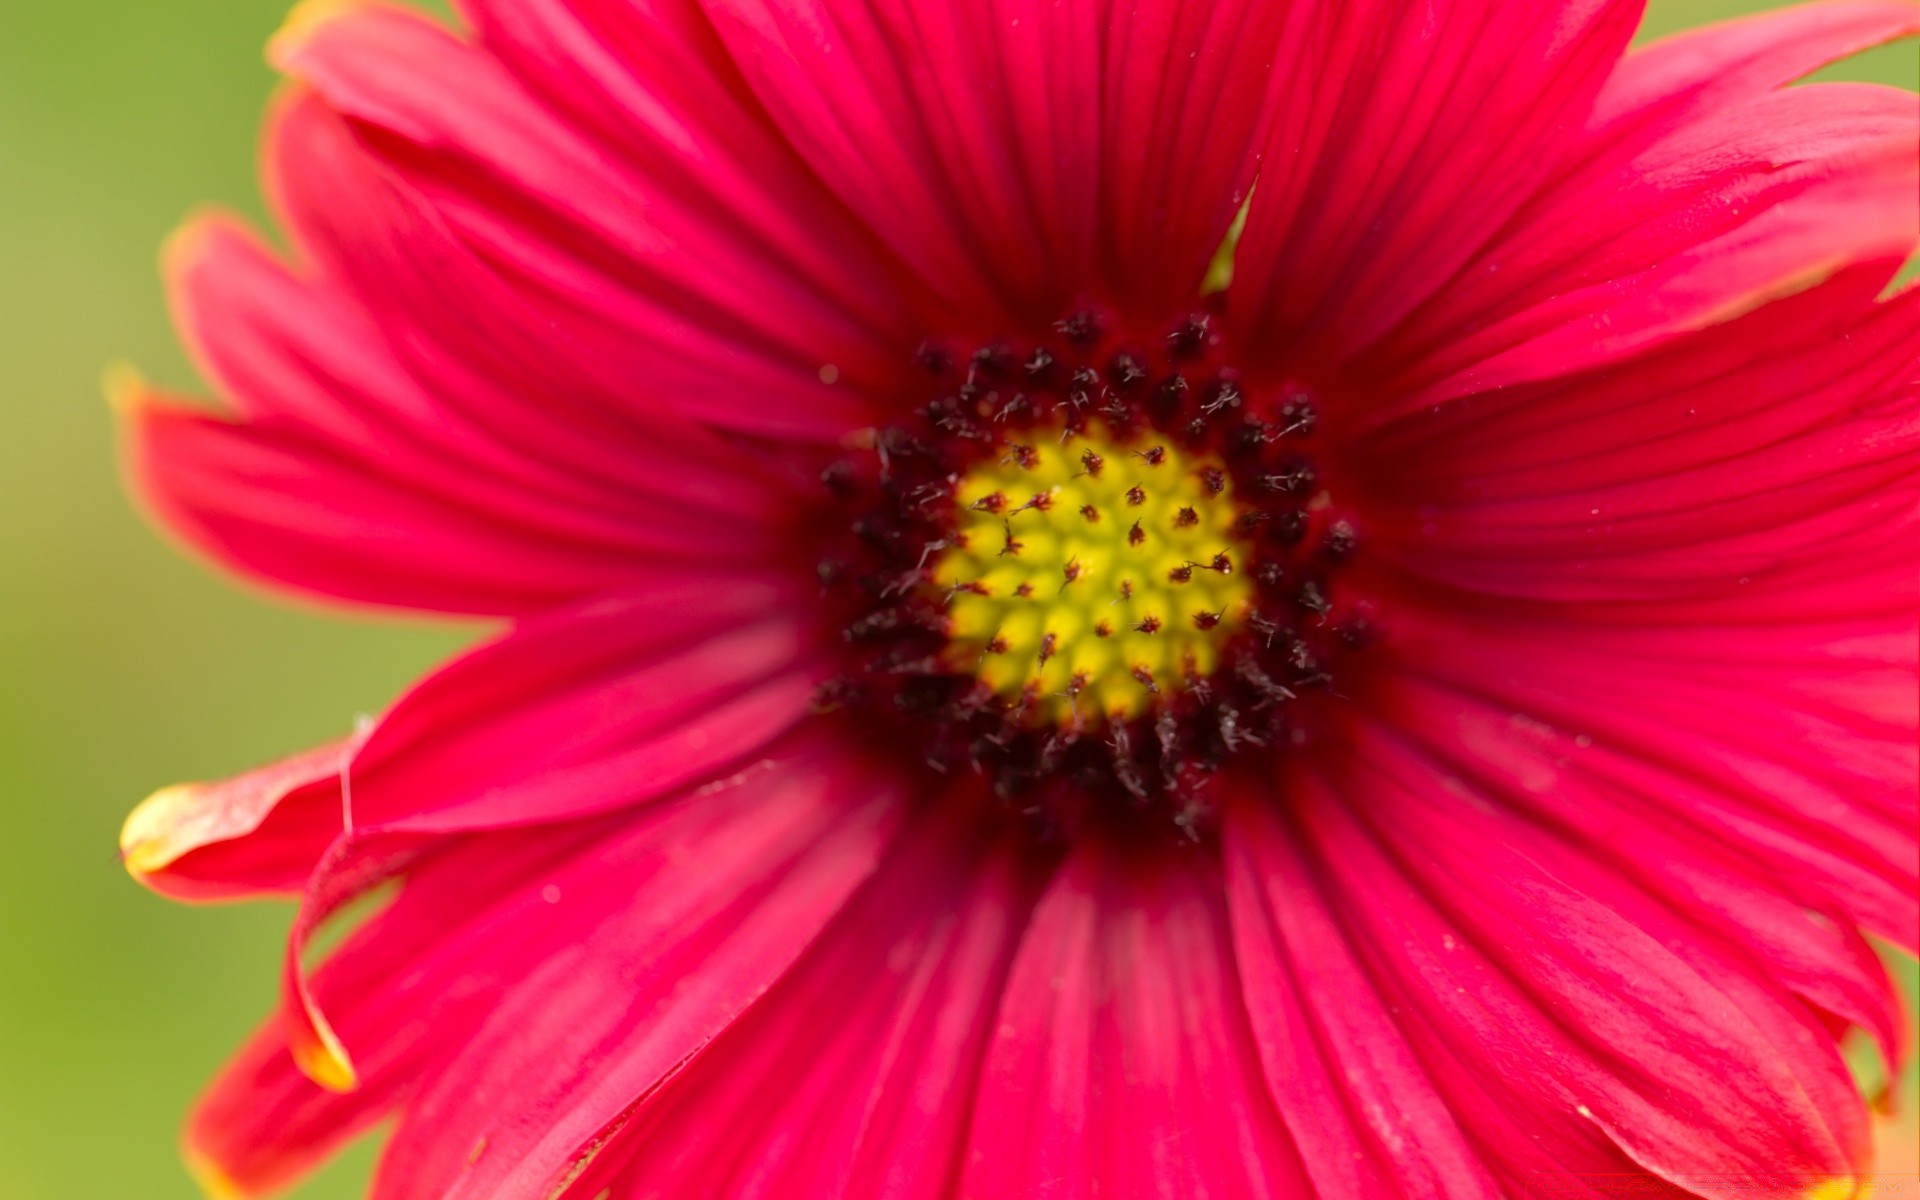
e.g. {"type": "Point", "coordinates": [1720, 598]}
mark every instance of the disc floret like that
{"type": "Point", "coordinates": [1086, 571]}
{"type": "Point", "coordinates": [1091, 570]}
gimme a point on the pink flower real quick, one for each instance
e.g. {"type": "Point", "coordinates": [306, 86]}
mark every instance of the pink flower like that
{"type": "Point", "coordinates": [982, 714]}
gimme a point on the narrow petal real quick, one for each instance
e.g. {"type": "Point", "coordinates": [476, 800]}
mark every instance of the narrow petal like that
{"type": "Point", "coordinates": [399, 990]}
{"type": "Point", "coordinates": [284, 343]}
{"type": "Point", "coordinates": [259, 833]}
{"type": "Point", "coordinates": [1361, 1106]}
{"type": "Point", "coordinates": [680, 926]}
{"type": "Point", "coordinates": [290, 511]}
{"type": "Point", "coordinates": [1643, 237]}
{"type": "Point", "coordinates": [348, 476]}
{"type": "Point", "coordinates": [1781, 444]}
{"type": "Point", "coordinates": [1123, 1057]}
{"type": "Point", "coordinates": [855, 1076]}
{"type": "Point", "coordinates": [576, 714]}
{"type": "Point", "coordinates": [1792, 929]}
{"type": "Point", "coordinates": [1019, 154]}
{"type": "Point", "coordinates": [1606, 1013]}
{"type": "Point", "coordinates": [594, 708]}
{"type": "Point", "coordinates": [407, 995]}
{"type": "Point", "coordinates": [1380, 177]}
{"type": "Point", "coordinates": [1696, 71]}
{"type": "Point", "coordinates": [647, 256]}
{"type": "Point", "coordinates": [1793, 747]}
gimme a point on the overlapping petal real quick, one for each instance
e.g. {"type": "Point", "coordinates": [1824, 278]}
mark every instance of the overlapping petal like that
{"type": "Point", "coordinates": [1696, 192]}
{"type": "Point", "coordinates": [348, 475]}
{"type": "Point", "coordinates": [690, 923]}
{"type": "Point", "coordinates": [594, 708]}
{"type": "Point", "coordinates": [1123, 1062]}
{"type": "Point", "coordinates": [506, 955]}
{"type": "Point", "coordinates": [258, 833]}
{"type": "Point", "coordinates": [1017, 153]}
{"type": "Point", "coordinates": [667, 282]}
{"type": "Point", "coordinates": [1577, 1028]}
{"type": "Point", "coordinates": [1785, 442]}
{"type": "Point", "coordinates": [1792, 745]}
{"type": "Point", "coordinates": [1702, 844]}
{"type": "Point", "coordinates": [1368, 1117]}
{"type": "Point", "coordinates": [829, 1087]}
{"type": "Point", "coordinates": [1408, 133]}
{"type": "Point", "coordinates": [401, 989]}
{"type": "Point", "coordinates": [566, 716]}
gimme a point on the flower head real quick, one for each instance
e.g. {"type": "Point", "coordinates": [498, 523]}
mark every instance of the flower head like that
{"type": "Point", "coordinates": [984, 712]}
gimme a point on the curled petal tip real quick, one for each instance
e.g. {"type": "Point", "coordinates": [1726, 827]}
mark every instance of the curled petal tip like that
{"type": "Point", "coordinates": [150, 839]}
{"type": "Point", "coordinates": [187, 243]}
{"type": "Point", "coordinates": [213, 1179]}
{"type": "Point", "coordinates": [323, 1059]}
{"type": "Point", "coordinates": [124, 386]}
{"type": "Point", "coordinates": [302, 22]}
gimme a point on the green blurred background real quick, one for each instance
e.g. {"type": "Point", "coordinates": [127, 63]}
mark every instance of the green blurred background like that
{"type": "Point", "coordinates": [122, 665]}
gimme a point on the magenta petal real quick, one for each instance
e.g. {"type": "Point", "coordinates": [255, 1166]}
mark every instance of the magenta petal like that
{"type": "Point", "coordinates": [1810, 782]}
{"type": "Point", "coordinates": [387, 245]}
{"type": "Point", "coordinates": [1359, 1103]}
{"type": "Point", "coordinates": [855, 1076]}
{"type": "Point", "coordinates": [1019, 153]}
{"type": "Point", "coordinates": [1190, 92]}
{"type": "Point", "coordinates": [1123, 1055]}
{"type": "Point", "coordinates": [1800, 936]}
{"type": "Point", "coordinates": [620, 253]}
{"type": "Point", "coordinates": [399, 992]}
{"type": "Point", "coordinates": [1384, 173]}
{"type": "Point", "coordinates": [349, 476]}
{"type": "Point", "coordinates": [1695, 71]}
{"type": "Point", "coordinates": [291, 511]}
{"type": "Point", "coordinates": [258, 833]}
{"type": "Point", "coordinates": [594, 708]}
{"type": "Point", "coordinates": [1615, 1027]}
{"type": "Point", "coordinates": [1777, 444]}
{"type": "Point", "coordinates": [567, 717]}
{"type": "Point", "coordinates": [407, 995]}
{"type": "Point", "coordinates": [1696, 192]}
{"type": "Point", "coordinates": [663, 934]}
{"type": "Point", "coordinates": [1635, 243]}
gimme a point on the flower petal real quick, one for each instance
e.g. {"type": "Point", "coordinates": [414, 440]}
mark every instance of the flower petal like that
{"type": "Point", "coordinates": [1020, 153]}
{"type": "Point", "coordinates": [1696, 71]}
{"type": "Point", "coordinates": [1123, 1056]}
{"type": "Point", "coordinates": [1600, 794]}
{"type": "Point", "coordinates": [705, 873]}
{"type": "Point", "coordinates": [1782, 444]}
{"type": "Point", "coordinates": [684, 920]}
{"type": "Point", "coordinates": [1384, 171]}
{"type": "Point", "coordinates": [1792, 745]}
{"type": "Point", "coordinates": [399, 989]}
{"type": "Point", "coordinates": [1576, 1026]}
{"type": "Point", "coordinates": [649, 258]}
{"type": "Point", "coordinates": [1672, 219]}
{"type": "Point", "coordinates": [571, 715]}
{"type": "Point", "coordinates": [349, 476]}
{"type": "Point", "coordinates": [853, 1077]}
{"type": "Point", "coordinates": [594, 708]}
{"type": "Point", "coordinates": [257, 833]}
{"type": "Point", "coordinates": [1367, 1117]}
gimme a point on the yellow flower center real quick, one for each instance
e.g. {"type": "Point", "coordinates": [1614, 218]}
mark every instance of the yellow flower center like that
{"type": "Point", "coordinates": [1089, 575]}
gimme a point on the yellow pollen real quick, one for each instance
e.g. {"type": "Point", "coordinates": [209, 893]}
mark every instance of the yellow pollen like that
{"type": "Point", "coordinates": [1088, 576]}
